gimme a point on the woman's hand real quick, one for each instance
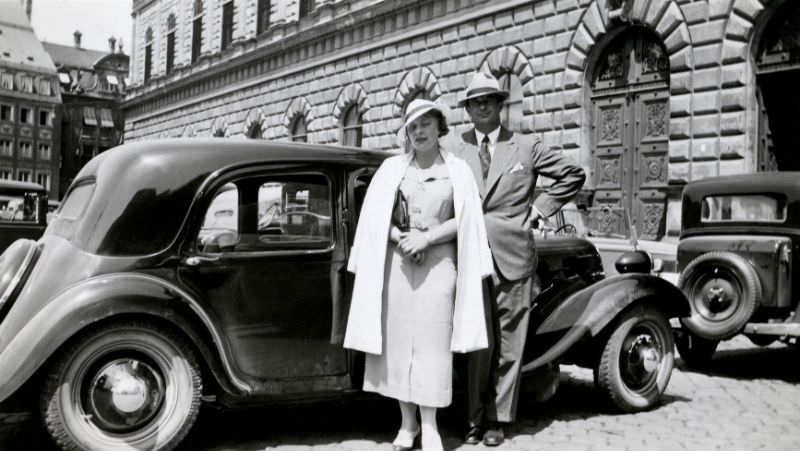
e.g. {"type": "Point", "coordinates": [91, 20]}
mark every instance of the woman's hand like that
{"type": "Point", "coordinates": [414, 242]}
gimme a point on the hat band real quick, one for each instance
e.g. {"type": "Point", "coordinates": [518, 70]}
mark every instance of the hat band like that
{"type": "Point", "coordinates": [423, 107]}
{"type": "Point", "coordinates": [477, 92]}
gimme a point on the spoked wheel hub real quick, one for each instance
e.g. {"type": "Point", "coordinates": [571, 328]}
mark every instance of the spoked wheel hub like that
{"type": "Point", "coordinates": [123, 395]}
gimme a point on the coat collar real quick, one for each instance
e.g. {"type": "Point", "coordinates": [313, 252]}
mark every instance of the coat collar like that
{"type": "Point", "coordinates": [504, 152]}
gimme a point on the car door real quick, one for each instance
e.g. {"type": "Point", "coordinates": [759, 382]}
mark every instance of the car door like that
{"type": "Point", "coordinates": [264, 259]}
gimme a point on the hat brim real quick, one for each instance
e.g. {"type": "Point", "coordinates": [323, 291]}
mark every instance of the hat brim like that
{"type": "Point", "coordinates": [401, 133]}
{"type": "Point", "coordinates": [502, 94]}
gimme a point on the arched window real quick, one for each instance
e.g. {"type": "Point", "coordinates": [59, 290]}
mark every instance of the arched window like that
{"type": "Point", "coordinates": [298, 129]}
{"type": "Point", "coordinates": [148, 53]}
{"type": "Point", "coordinates": [197, 29]}
{"type": "Point", "coordinates": [254, 130]}
{"type": "Point", "coordinates": [351, 127]}
{"type": "Point", "coordinates": [416, 94]}
{"type": "Point", "coordinates": [171, 26]}
{"type": "Point", "coordinates": [512, 115]}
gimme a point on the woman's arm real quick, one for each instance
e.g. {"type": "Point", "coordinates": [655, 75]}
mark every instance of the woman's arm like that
{"type": "Point", "coordinates": [417, 241]}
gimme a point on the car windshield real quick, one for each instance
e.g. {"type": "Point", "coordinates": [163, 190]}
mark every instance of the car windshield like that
{"type": "Point", "coordinates": [744, 207]}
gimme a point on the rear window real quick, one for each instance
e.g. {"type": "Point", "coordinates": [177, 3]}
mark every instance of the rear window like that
{"type": "Point", "coordinates": [76, 201]}
{"type": "Point", "coordinates": [744, 208]}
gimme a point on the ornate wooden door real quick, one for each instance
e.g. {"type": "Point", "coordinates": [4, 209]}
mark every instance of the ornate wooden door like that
{"type": "Point", "coordinates": [630, 137]}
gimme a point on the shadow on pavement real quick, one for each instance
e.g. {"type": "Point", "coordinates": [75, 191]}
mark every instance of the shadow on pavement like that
{"type": "Point", "coordinates": [777, 362]}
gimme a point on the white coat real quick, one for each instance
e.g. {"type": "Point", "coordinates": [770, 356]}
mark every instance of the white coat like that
{"type": "Point", "coordinates": [368, 257]}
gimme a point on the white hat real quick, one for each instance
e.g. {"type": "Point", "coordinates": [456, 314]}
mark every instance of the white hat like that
{"type": "Point", "coordinates": [414, 110]}
{"type": "Point", "coordinates": [483, 84]}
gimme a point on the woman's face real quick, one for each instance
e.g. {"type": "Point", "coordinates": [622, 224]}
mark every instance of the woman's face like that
{"type": "Point", "coordinates": [423, 133]}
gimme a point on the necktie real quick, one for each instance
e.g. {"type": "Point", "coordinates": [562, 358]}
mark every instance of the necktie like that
{"type": "Point", "coordinates": [485, 156]}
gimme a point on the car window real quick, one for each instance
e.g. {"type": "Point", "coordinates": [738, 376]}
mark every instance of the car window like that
{"type": "Point", "coordinates": [76, 201]}
{"type": "Point", "coordinates": [281, 212]}
{"type": "Point", "coordinates": [744, 207]}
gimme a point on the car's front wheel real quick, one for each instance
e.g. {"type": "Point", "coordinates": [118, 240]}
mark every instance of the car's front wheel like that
{"type": "Point", "coordinates": [123, 386]}
{"type": "Point", "coordinates": [636, 360]}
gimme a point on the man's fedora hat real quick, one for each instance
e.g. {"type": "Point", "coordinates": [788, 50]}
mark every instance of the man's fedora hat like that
{"type": "Point", "coordinates": [483, 84]}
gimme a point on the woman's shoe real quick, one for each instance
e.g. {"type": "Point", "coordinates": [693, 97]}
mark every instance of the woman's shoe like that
{"type": "Point", "coordinates": [405, 440]}
{"type": "Point", "coordinates": [431, 441]}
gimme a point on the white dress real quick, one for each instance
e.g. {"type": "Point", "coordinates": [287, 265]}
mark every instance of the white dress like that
{"type": "Point", "coordinates": [417, 315]}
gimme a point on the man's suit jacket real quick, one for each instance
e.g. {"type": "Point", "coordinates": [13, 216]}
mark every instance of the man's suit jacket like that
{"type": "Point", "coordinates": [507, 194]}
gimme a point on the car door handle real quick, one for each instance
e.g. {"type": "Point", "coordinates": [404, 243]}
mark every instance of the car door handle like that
{"type": "Point", "coordinates": [195, 260]}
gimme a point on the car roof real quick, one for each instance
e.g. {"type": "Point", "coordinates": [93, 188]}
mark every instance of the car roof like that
{"type": "Point", "coordinates": [760, 182]}
{"type": "Point", "coordinates": [205, 155]}
{"type": "Point", "coordinates": [142, 191]}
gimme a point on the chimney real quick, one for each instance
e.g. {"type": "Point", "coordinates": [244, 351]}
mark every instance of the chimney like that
{"type": "Point", "coordinates": [77, 36]}
{"type": "Point", "coordinates": [112, 43]}
{"type": "Point", "coordinates": [27, 4]}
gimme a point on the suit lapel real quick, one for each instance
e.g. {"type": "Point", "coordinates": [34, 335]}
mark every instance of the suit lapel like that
{"type": "Point", "coordinates": [504, 153]}
{"type": "Point", "coordinates": [469, 153]}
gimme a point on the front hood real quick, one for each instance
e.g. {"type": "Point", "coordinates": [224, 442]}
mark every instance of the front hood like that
{"type": "Point", "coordinates": [59, 266]}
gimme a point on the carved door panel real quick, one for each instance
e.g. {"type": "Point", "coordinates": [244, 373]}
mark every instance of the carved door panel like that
{"type": "Point", "coordinates": [651, 145]}
{"type": "Point", "coordinates": [611, 164]}
{"type": "Point", "coordinates": [630, 163]}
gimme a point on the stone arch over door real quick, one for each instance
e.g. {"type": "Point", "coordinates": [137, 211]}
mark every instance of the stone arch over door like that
{"type": "Point", "coordinates": [629, 139]}
{"type": "Point", "coordinates": [353, 94]}
{"type": "Point", "coordinates": [299, 108]}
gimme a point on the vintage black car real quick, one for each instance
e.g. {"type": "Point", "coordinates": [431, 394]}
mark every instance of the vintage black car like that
{"type": "Point", "coordinates": [740, 237]}
{"type": "Point", "coordinates": [184, 270]}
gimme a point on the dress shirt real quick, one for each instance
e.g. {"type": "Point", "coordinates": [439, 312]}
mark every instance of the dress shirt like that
{"type": "Point", "coordinates": [493, 135]}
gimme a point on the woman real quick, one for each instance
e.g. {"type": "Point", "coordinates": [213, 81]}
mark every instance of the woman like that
{"type": "Point", "coordinates": [417, 295]}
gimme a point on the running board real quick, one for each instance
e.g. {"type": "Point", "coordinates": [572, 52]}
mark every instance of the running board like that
{"type": "Point", "coordinates": [789, 329]}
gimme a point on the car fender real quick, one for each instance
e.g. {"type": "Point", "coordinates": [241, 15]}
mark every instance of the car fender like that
{"type": "Point", "coordinates": [585, 313]}
{"type": "Point", "coordinates": [101, 298]}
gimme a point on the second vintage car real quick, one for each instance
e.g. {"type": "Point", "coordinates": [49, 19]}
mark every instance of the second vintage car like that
{"type": "Point", "coordinates": [188, 270]}
{"type": "Point", "coordinates": [738, 256]}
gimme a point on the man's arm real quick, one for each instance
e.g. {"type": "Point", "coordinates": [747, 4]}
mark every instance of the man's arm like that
{"type": "Point", "coordinates": [568, 178]}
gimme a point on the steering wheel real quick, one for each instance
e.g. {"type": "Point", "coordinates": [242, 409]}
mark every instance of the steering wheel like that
{"type": "Point", "coordinates": [566, 228]}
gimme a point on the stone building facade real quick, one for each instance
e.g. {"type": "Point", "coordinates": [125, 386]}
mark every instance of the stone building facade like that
{"type": "Point", "coordinates": [645, 94]}
{"type": "Point", "coordinates": [29, 103]}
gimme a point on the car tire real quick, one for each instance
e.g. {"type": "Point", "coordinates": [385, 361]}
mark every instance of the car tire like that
{"type": "Point", "coordinates": [126, 385]}
{"type": "Point", "coordinates": [636, 360]}
{"type": "Point", "coordinates": [695, 351]}
{"type": "Point", "coordinates": [723, 291]}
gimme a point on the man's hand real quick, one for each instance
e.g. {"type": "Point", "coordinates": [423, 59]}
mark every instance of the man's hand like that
{"type": "Point", "coordinates": [534, 220]}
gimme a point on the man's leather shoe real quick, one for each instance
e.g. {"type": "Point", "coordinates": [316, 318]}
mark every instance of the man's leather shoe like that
{"type": "Point", "coordinates": [474, 436]}
{"type": "Point", "coordinates": [494, 435]}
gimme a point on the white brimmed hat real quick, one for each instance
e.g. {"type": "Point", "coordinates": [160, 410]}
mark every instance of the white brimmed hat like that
{"type": "Point", "coordinates": [482, 84]}
{"type": "Point", "coordinates": [414, 110]}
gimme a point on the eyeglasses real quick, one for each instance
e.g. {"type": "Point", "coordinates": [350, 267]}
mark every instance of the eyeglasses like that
{"type": "Point", "coordinates": [484, 100]}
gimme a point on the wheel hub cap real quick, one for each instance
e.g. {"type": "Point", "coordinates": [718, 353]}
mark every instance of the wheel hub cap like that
{"type": "Point", "coordinates": [124, 395]}
{"type": "Point", "coordinates": [643, 360]}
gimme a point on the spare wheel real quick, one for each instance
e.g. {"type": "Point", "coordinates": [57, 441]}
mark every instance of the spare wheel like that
{"type": "Point", "coordinates": [723, 291]}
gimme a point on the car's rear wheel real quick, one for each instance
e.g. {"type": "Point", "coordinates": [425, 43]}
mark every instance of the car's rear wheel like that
{"type": "Point", "coordinates": [695, 351]}
{"type": "Point", "coordinates": [723, 292]}
{"type": "Point", "coordinates": [636, 360]}
{"type": "Point", "coordinates": [127, 386]}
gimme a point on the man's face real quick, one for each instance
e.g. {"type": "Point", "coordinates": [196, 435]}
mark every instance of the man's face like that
{"type": "Point", "coordinates": [485, 112]}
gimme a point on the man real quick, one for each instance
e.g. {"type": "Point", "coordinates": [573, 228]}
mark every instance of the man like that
{"type": "Point", "coordinates": [506, 166]}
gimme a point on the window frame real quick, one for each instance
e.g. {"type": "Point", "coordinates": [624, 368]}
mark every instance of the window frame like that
{"type": "Point", "coordinates": [293, 135]}
{"type": "Point", "coordinates": [226, 32]}
{"type": "Point", "coordinates": [264, 176]}
{"type": "Point", "coordinates": [346, 126]}
{"type": "Point", "coordinates": [263, 13]}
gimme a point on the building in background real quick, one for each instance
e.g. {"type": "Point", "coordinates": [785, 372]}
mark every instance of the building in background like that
{"type": "Point", "coordinates": [645, 94]}
{"type": "Point", "coordinates": [29, 102]}
{"type": "Point", "coordinates": [92, 85]}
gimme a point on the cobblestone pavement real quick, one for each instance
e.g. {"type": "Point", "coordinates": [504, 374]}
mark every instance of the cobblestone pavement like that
{"type": "Point", "coordinates": [748, 399]}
